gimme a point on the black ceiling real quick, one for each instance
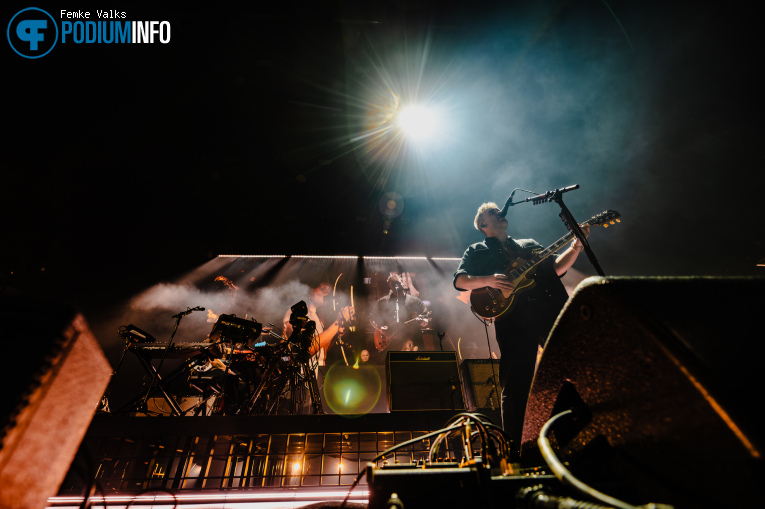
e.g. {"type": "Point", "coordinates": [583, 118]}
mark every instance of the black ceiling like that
{"type": "Point", "coordinates": [124, 165]}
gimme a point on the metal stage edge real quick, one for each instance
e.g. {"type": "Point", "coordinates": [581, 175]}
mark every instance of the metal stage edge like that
{"type": "Point", "coordinates": [105, 425]}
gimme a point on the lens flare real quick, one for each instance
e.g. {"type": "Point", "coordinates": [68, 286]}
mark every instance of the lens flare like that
{"type": "Point", "coordinates": [349, 391]}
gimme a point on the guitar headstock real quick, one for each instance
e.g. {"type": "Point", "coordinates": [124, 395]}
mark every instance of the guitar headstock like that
{"type": "Point", "coordinates": [605, 218]}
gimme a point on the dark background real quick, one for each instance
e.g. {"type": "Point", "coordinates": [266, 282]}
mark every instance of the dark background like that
{"type": "Point", "coordinates": [127, 165]}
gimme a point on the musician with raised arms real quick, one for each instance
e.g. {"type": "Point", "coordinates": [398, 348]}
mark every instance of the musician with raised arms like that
{"type": "Point", "coordinates": [527, 318]}
{"type": "Point", "coordinates": [329, 346]}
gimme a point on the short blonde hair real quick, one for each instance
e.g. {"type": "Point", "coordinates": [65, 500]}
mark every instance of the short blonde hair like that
{"type": "Point", "coordinates": [483, 208]}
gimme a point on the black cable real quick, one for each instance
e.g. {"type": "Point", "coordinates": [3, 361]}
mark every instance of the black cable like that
{"type": "Point", "coordinates": [482, 319]}
{"type": "Point", "coordinates": [535, 497]}
{"type": "Point", "coordinates": [455, 422]}
{"type": "Point", "coordinates": [484, 434]}
{"type": "Point", "coordinates": [564, 475]}
{"type": "Point", "coordinates": [87, 473]}
{"type": "Point", "coordinates": [389, 451]}
{"type": "Point", "coordinates": [495, 377]}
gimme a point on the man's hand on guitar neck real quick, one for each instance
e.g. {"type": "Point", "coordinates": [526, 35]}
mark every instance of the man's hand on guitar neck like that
{"type": "Point", "coordinates": [568, 257]}
{"type": "Point", "coordinates": [498, 281]}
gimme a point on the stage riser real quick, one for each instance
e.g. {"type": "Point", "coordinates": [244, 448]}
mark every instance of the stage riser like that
{"type": "Point", "coordinates": [232, 453]}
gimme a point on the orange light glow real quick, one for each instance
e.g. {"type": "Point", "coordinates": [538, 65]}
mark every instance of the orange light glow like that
{"type": "Point", "coordinates": [230, 288]}
{"type": "Point", "coordinates": [226, 281]}
{"type": "Point", "coordinates": [753, 451]}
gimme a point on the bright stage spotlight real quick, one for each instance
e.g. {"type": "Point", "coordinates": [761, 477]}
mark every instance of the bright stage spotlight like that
{"type": "Point", "coordinates": [419, 123]}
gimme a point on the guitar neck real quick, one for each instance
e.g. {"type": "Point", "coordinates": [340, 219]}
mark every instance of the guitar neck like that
{"type": "Point", "coordinates": [552, 248]}
{"type": "Point", "coordinates": [555, 246]}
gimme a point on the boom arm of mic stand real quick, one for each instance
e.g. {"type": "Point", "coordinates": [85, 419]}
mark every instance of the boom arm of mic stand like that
{"type": "Point", "coordinates": [550, 195]}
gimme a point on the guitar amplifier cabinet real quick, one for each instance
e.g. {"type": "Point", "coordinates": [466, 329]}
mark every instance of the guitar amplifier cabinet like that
{"type": "Point", "coordinates": [482, 389]}
{"type": "Point", "coordinates": [424, 381]}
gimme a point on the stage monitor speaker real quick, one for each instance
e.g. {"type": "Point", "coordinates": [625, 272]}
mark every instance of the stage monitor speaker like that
{"type": "Point", "coordinates": [482, 389]}
{"type": "Point", "coordinates": [662, 376]}
{"type": "Point", "coordinates": [56, 374]}
{"type": "Point", "coordinates": [424, 381]}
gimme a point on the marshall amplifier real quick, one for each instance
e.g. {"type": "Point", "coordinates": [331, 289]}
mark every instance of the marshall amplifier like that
{"type": "Point", "coordinates": [424, 381]}
{"type": "Point", "coordinates": [482, 384]}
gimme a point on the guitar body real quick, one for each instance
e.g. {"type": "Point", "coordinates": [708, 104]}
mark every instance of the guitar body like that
{"type": "Point", "coordinates": [382, 339]}
{"type": "Point", "coordinates": [384, 336]}
{"type": "Point", "coordinates": [490, 302]}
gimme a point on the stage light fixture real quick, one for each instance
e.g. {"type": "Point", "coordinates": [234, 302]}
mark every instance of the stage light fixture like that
{"type": "Point", "coordinates": [395, 258]}
{"type": "Point", "coordinates": [250, 256]}
{"type": "Point", "coordinates": [343, 257]}
{"type": "Point", "coordinates": [324, 257]}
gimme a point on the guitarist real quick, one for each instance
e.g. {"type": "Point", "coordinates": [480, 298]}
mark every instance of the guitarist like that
{"type": "Point", "coordinates": [394, 316]}
{"type": "Point", "coordinates": [525, 327]}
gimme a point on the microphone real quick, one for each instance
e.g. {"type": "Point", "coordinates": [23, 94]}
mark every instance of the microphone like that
{"type": "Point", "coordinates": [508, 204]}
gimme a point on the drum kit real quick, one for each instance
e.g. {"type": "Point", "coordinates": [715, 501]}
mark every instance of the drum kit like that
{"type": "Point", "coordinates": [242, 368]}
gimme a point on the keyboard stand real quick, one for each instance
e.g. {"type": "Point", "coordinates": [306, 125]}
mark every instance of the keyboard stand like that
{"type": "Point", "coordinates": [160, 384]}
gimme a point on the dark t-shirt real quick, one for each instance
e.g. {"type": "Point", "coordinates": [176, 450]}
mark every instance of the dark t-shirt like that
{"type": "Point", "coordinates": [535, 309]}
{"type": "Point", "coordinates": [409, 307]}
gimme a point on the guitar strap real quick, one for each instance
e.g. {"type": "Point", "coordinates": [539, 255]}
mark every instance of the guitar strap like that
{"type": "Point", "coordinates": [510, 249]}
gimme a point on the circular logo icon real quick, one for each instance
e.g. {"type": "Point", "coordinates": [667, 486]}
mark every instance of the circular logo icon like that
{"type": "Point", "coordinates": [32, 32]}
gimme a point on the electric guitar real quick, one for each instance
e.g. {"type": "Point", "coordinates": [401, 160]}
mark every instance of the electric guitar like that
{"type": "Point", "coordinates": [383, 335]}
{"type": "Point", "coordinates": [490, 302]}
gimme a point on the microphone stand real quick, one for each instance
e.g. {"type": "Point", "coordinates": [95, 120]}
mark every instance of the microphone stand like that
{"type": "Point", "coordinates": [568, 218]}
{"type": "Point", "coordinates": [574, 225]}
{"type": "Point", "coordinates": [167, 349]}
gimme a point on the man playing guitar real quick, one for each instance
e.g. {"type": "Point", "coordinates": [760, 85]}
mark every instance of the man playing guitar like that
{"type": "Point", "coordinates": [396, 318]}
{"type": "Point", "coordinates": [520, 332]}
